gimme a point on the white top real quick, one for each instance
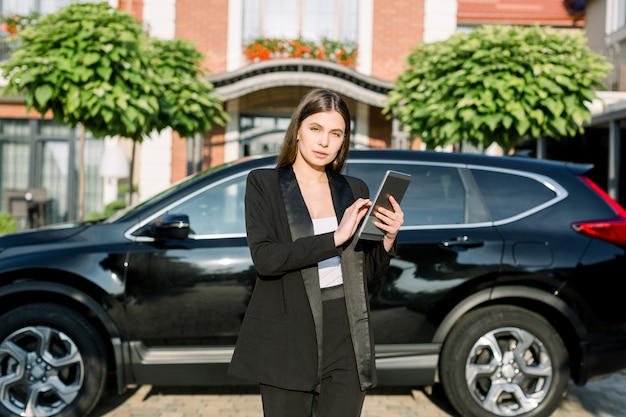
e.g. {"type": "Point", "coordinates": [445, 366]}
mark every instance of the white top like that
{"type": "Point", "coordinates": [329, 269]}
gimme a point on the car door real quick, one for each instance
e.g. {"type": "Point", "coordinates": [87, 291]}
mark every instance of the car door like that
{"type": "Point", "coordinates": [447, 248]}
{"type": "Point", "coordinates": [194, 291]}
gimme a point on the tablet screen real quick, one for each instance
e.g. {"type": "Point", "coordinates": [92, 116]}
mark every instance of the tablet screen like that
{"type": "Point", "coordinates": [394, 183]}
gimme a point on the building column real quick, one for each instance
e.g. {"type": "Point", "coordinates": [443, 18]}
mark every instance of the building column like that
{"type": "Point", "coordinates": [232, 147]}
{"type": "Point", "coordinates": [361, 128]}
{"type": "Point", "coordinates": [400, 139]}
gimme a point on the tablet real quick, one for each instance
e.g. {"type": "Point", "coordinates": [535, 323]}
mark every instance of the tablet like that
{"type": "Point", "coordinates": [394, 183]}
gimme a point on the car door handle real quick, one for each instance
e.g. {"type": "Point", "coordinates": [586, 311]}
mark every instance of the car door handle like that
{"type": "Point", "coordinates": [462, 241]}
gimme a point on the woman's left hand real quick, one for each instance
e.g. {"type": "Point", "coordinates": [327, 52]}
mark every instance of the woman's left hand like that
{"type": "Point", "coordinates": [389, 221]}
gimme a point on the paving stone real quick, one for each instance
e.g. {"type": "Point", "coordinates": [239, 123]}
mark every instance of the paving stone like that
{"type": "Point", "coordinates": [602, 398]}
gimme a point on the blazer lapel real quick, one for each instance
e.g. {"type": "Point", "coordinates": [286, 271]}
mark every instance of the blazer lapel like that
{"type": "Point", "coordinates": [341, 193]}
{"type": "Point", "coordinates": [297, 214]}
{"type": "Point", "coordinates": [300, 225]}
{"type": "Point", "coordinates": [353, 282]}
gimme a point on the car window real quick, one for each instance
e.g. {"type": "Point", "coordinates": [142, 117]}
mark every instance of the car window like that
{"type": "Point", "coordinates": [508, 194]}
{"type": "Point", "coordinates": [217, 210]}
{"type": "Point", "coordinates": [436, 194]}
{"type": "Point", "coordinates": [129, 211]}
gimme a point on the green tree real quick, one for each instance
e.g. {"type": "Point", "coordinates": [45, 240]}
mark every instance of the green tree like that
{"type": "Point", "coordinates": [497, 84]}
{"type": "Point", "coordinates": [93, 66]}
{"type": "Point", "coordinates": [191, 105]}
{"type": "Point", "coordinates": [7, 223]}
{"type": "Point", "coordinates": [188, 102]}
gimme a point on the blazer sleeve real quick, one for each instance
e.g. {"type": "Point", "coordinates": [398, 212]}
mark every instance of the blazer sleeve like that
{"type": "Point", "coordinates": [269, 238]}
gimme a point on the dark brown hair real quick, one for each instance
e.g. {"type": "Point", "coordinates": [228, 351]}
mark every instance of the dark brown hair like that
{"type": "Point", "coordinates": [316, 101]}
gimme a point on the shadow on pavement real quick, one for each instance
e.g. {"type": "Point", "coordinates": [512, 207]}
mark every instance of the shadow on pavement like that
{"type": "Point", "coordinates": [436, 396]}
{"type": "Point", "coordinates": [111, 400]}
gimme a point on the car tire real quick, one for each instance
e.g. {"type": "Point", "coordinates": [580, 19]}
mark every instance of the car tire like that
{"type": "Point", "coordinates": [52, 362]}
{"type": "Point", "coordinates": [504, 361]}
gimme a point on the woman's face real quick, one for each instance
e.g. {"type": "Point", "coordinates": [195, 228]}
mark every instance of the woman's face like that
{"type": "Point", "coordinates": [320, 138]}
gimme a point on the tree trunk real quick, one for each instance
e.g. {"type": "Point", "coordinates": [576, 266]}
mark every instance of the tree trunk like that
{"type": "Point", "coordinates": [541, 148]}
{"type": "Point", "coordinates": [81, 173]}
{"type": "Point", "coordinates": [132, 174]}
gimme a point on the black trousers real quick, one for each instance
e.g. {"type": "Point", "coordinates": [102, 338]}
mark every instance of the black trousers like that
{"type": "Point", "coordinates": [340, 392]}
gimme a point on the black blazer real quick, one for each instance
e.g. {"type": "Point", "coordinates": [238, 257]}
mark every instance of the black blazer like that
{"type": "Point", "coordinates": [280, 339]}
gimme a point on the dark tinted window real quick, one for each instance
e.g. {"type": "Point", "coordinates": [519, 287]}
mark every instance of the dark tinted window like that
{"type": "Point", "coordinates": [508, 195]}
{"type": "Point", "coordinates": [435, 196]}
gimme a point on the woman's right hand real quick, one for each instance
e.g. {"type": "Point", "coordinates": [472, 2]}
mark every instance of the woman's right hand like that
{"type": "Point", "coordinates": [350, 220]}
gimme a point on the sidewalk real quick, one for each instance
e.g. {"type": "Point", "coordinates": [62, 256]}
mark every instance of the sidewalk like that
{"type": "Point", "coordinates": [148, 401]}
{"type": "Point", "coordinates": [603, 398]}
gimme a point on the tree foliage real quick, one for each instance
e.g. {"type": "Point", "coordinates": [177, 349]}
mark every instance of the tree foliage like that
{"type": "Point", "coordinates": [190, 103]}
{"type": "Point", "coordinates": [93, 65]}
{"type": "Point", "coordinates": [497, 84]}
{"type": "Point", "coordinates": [87, 64]}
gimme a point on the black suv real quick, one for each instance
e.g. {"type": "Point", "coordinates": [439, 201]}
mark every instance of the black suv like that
{"type": "Point", "coordinates": [508, 283]}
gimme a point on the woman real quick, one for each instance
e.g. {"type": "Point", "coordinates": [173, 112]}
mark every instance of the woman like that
{"type": "Point", "coordinates": [306, 336]}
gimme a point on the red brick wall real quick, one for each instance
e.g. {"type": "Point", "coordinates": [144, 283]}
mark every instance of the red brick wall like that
{"type": "Point", "coordinates": [179, 158]}
{"type": "Point", "coordinates": [205, 23]}
{"type": "Point", "coordinates": [18, 111]}
{"type": "Point", "coordinates": [398, 26]}
{"type": "Point", "coordinates": [522, 12]}
{"type": "Point", "coordinates": [213, 150]}
{"type": "Point", "coordinates": [134, 7]}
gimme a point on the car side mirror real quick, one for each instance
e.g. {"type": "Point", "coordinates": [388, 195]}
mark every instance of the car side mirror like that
{"type": "Point", "coordinates": [171, 226]}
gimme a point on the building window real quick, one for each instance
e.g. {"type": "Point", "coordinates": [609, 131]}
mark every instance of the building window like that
{"type": "Point", "coordinates": [261, 134]}
{"type": "Point", "coordinates": [265, 134]}
{"type": "Point", "coordinates": [43, 155]}
{"type": "Point", "coordinates": [25, 7]}
{"type": "Point", "coordinates": [311, 20]}
{"type": "Point", "coordinates": [15, 14]}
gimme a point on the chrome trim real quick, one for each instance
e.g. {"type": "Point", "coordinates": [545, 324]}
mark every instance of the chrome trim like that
{"type": "Point", "coordinates": [141, 354]}
{"type": "Point", "coordinates": [407, 162]}
{"type": "Point", "coordinates": [387, 356]}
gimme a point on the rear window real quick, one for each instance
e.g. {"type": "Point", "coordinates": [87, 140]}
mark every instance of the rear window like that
{"type": "Point", "coordinates": [508, 195]}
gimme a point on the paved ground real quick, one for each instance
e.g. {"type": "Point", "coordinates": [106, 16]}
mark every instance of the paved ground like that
{"type": "Point", "coordinates": [603, 398]}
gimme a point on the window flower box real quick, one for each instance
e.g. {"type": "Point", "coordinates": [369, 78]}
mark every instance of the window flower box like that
{"type": "Point", "coordinates": [263, 49]}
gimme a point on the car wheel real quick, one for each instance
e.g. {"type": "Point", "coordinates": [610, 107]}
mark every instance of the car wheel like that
{"type": "Point", "coordinates": [52, 362]}
{"type": "Point", "coordinates": [504, 361]}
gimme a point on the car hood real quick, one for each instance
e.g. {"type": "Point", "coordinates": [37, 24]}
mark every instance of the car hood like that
{"type": "Point", "coordinates": [43, 235]}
